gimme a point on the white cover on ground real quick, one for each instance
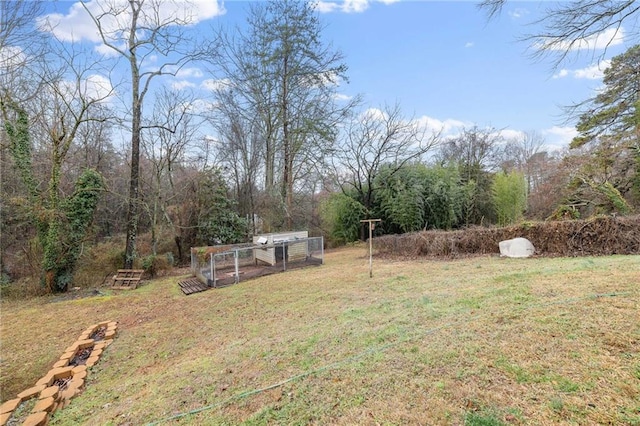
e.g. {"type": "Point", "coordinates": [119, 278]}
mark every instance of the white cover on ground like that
{"type": "Point", "coordinates": [517, 247]}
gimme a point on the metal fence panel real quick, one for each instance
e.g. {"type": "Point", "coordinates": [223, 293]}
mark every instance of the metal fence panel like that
{"type": "Point", "coordinates": [241, 262]}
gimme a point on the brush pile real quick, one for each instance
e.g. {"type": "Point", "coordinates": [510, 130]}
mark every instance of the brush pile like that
{"type": "Point", "coordinates": [599, 236]}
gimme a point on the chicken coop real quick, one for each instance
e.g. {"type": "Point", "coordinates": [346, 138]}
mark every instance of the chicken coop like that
{"type": "Point", "coordinates": [291, 246]}
{"type": "Point", "coordinates": [219, 266]}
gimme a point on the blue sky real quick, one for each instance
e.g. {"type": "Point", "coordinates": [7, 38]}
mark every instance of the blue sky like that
{"type": "Point", "coordinates": [444, 62]}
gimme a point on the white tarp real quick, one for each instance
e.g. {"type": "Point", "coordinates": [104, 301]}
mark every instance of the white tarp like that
{"type": "Point", "coordinates": [517, 247]}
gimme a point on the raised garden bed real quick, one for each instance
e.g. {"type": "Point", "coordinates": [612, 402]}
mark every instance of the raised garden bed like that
{"type": "Point", "coordinates": [65, 380]}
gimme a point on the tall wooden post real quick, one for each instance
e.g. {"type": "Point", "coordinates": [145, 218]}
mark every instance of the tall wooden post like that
{"type": "Point", "coordinates": [372, 226]}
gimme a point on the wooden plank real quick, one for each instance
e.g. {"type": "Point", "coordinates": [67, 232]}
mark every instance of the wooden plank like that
{"type": "Point", "coordinates": [135, 271]}
{"type": "Point", "coordinates": [192, 285]}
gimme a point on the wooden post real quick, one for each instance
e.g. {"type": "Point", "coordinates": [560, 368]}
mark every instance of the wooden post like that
{"type": "Point", "coordinates": [372, 226]}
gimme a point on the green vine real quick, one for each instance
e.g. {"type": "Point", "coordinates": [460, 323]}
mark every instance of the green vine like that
{"type": "Point", "coordinates": [61, 224]}
{"type": "Point", "coordinates": [62, 251]}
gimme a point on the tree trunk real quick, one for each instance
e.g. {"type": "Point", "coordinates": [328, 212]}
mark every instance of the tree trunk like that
{"type": "Point", "coordinates": [132, 212]}
{"type": "Point", "coordinates": [134, 183]}
{"type": "Point", "coordinates": [270, 159]}
{"type": "Point", "coordinates": [287, 184]}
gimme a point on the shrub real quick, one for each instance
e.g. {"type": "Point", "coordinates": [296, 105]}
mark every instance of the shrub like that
{"type": "Point", "coordinates": [341, 217]}
{"type": "Point", "coordinates": [599, 236]}
{"type": "Point", "coordinates": [155, 265]}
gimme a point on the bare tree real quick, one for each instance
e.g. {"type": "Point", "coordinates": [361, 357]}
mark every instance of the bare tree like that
{"type": "Point", "coordinates": [376, 138]}
{"type": "Point", "coordinates": [577, 24]}
{"type": "Point", "coordinates": [54, 116]}
{"type": "Point", "coordinates": [476, 150]}
{"type": "Point", "coordinates": [171, 131]}
{"type": "Point", "coordinates": [17, 19]}
{"type": "Point", "coordinates": [476, 153]}
{"type": "Point", "coordinates": [249, 92]}
{"type": "Point", "coordinates": [19, 42]}
{"type": "Point", "coordinates": [241, 148]}
{"type": "Point", "coordinates": [521, 154]}
{"type": "Point", "coordinates": [136, 32]}
{"type": "Point", "coordinates": [288, 78]}
{"type": "Point", "coordinates": [22, 50]}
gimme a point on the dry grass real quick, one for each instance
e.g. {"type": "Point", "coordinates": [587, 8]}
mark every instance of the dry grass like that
{"type": "Point", "coordinates": [475, 341]}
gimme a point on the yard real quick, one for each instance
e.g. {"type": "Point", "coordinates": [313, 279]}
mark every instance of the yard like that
{"type": "Point", "coordinates": [477, 341]}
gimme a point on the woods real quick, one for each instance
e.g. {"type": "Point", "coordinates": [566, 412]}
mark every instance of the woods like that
{"type": "Point", "coordinates": [104, 140]}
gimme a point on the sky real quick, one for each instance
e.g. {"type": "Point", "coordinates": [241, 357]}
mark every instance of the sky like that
{"type": "Point", "coordinates": [444, 62]}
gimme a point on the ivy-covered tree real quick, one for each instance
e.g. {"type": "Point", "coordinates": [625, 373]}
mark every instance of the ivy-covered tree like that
{"type": "Point", "coordinates": [63, 244]}
{"type": "Point", "coordinates": [61, 223]}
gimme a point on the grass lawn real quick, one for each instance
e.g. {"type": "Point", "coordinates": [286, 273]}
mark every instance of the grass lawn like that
{"type": "Point", "coordinates": [479, 341]}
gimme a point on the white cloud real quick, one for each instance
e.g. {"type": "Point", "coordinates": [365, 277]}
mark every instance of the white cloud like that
{"type": "Point", "coordinates": [326, 6]}
{"type": "Point", "coordinates": [340, 97]}
{"type": "Point", "coordinates": [189, 73]}
{"type": "Point", "coordinates": [374, 114]}
{"type": "Point", "coordinates": [97, 87]}
{"type": "Point", "coordinates": [214, 85]}
{"type": "Point", "coordinates": [447, 128]}
{"type": "Point", "coordinates": [355, 6]}
{"type": "Point", "coordinates": [592, 72]}
{"type": "Point", "coordinates": [11, 57]}
{"type": "Point", "coordinates": [518, 13]}
{"type": "Point", "coordinates": [329, 78]}
{"type": "Point", "coordinates": [603, 40]}
{"type": "Point", "coordinates": [510, 134]}
{"type": "Point", "coordinates": [558, 138]}
{"type": "Point", "coordinates": [469, 44]}
{"type": "Point", "coordinates": [182, 84]}
{"type": "Point", "coordinates": [74, 26]}
{"type": "Point", "coordinates": [77, 25]}
{"type": "Point", "coordinates": [200, 106]}
{"type": "Point", "coordinates": [183, 77]}
{"type": "Point", "coordinates": [94, 88]}
{"type": "Point", "coordinates": [562, 73]}
{"type": "Point", "coordinates": [348, 6]}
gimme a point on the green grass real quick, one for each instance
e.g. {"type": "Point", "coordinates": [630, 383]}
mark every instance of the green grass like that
{"type": "Point", "coordinates": [478, 341]}
{"type": "Point", "coordinates": [481, 419]}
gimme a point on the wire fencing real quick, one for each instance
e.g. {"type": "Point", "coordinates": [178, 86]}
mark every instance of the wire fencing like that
{"type": "Point", "coordinates": [219, 266]}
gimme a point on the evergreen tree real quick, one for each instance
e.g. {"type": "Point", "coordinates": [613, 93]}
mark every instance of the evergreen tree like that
{"type": "Point", "coordinates": [614, 113]}
{"type": "Point", "coordinates": [609, 129]}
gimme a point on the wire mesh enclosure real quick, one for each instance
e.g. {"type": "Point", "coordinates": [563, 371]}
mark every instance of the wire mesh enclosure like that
{"type": "Point", "coordinates": [219, 266]}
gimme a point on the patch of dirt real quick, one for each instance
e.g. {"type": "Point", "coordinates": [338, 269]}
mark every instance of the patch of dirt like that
{"type": "Point", "coordinates": [185, 270]}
